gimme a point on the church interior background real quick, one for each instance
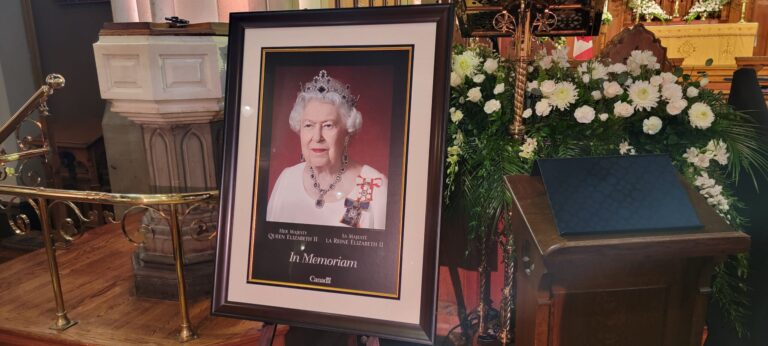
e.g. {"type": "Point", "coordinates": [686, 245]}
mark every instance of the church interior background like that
{"type": "Point", "coordinates": [127, 136]}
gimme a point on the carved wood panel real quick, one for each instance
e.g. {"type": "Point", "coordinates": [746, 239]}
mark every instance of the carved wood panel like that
{"type": "Point", "coordinates": [759, 14]}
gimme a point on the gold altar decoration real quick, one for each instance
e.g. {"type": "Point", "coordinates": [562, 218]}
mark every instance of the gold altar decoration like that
{"type": "Point", "coordinates": [64, 230]}
{"type": "Point", "coordinates": [698, 42]}
{"type": "Point", "coordinates": [743, 12]}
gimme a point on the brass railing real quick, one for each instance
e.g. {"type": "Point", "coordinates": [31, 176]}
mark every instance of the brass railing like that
{"type": "Point", "coordinates": [173, 207]}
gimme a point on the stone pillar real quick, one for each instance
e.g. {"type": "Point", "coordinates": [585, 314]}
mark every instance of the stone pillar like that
{"type": "Point", "coordinates": [172, 88]}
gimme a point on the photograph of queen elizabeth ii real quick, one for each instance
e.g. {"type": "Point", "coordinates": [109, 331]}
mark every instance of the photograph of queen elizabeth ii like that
{"type": "Point", "coordinates": [327, 185]}
{"type": "Point", "coordinates": [330, 169]}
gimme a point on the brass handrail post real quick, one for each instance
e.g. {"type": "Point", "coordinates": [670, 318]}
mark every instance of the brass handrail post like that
{"type": "Point", "coordinates": [62, 320]}
{"type": "Point", "coordinates": [186, 333]}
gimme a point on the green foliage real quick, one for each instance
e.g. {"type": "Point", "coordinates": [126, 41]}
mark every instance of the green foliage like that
{"type": "Point", "coordinates": [594, 110]}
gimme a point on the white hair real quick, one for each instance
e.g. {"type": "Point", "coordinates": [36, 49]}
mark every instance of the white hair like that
{"type": "Point", "coordinates": [349, 114]}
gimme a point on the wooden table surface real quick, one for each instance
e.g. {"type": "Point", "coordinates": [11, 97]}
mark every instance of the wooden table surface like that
{"type": "Point", "coordinates": [97, 281]}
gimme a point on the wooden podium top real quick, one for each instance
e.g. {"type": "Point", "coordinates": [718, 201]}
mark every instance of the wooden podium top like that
{"type": "Point", "coordinates": [716, 238]}
{"type": "Point", "coordinates": [163, 29]}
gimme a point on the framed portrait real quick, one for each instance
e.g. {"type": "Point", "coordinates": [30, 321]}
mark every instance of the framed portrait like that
{"type": "Point", "coordinates": [333, 161]}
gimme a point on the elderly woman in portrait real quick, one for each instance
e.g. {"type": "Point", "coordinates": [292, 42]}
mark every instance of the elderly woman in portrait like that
{"type": "Point", "coordinates": [327, 187]}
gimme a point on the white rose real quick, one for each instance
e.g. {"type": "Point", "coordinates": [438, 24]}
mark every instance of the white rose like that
{"type": "Point", "coordinates": [671, 92]}
{"type": "Point", "coordinates": [584, 114]}
{"type": "Point", "coordinates": [492, 106]}
{"type": "Point", "coordinates": [623, 109]}
{"type": "Point", "coordinates": [527, 113]}
{"type": "Point", "coordinates": [603, 116]}
{"type": "Point", "coordinates": [652, 125]}
{"type": "Point", "coordinates": [657, 80]}
{"type": "Point", "coordinates": [491, 65]}
{"type": "Point", "coordinates": [700, 116]}
{"type": "Point", "coordinates": [676, 106]}
{"type": "Point", "coordinates": [456, 116]}
{"type": "Point", "coordinates": [474, 94]}
{"type": "Point", "coordinates": [547, 87]}
{"type": "Point", "coordinates": [612, 89]}
{"type": "Point", "coordinates": [703, 82]}
{"type": "Point", "coordinates": [478, 78]}
{"type": "Point", "coordinates": [543, 107]}
{"type": "Point", "coordinates": [691, 92]}
{"type": "Point", "coordinates": [546, 62]}
{"type": "Point", "coordinates": [498, 89]}
{"type": "Point", "coordinates": [597, 95]}
{"type": "Point", "coordinates": [585, 78]}
{"type": "Point", "coordinates": [668, 77]}
{"type": "Point", "coordinates": [455, 79]}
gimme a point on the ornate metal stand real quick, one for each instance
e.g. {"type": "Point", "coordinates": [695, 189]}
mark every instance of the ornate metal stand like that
{"type": "Point", "coordinates": [522, 19]}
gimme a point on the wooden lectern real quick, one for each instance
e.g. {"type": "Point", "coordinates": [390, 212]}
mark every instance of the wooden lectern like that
{"type": "Point", "coordinates": [626, 289]}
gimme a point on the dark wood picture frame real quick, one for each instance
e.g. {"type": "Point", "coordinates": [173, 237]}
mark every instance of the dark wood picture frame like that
{"type": "Point", "coordinates": [421, 326]}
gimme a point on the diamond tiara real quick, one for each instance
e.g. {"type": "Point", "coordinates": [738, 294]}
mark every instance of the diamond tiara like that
{"type": "Point", "coordinates": [323, 83]}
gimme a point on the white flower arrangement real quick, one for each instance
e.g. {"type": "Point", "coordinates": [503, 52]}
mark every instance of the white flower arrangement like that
{"type": "Point", "coordinates": [648, 8]}
{"type": "Point", "coordinates": [607, 18]}
{"type": "Point", "coordinates": [640, 109]}
{"type": "Point", "coordinates": [703, 8]}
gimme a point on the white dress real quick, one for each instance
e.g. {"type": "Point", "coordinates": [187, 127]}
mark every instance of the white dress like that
{"type": "Point", "coordinates": [290, 203]}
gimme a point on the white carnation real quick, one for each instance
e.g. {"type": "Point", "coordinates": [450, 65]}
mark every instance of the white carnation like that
{"type": "Point", "coordinates": [585, 78]}
{"type": "Point", "coordinates": [533, 85]}
{"type": "Point", "coordinates": [478, 78]}
{"type": "Point", "coordinates": [656, 80]}
{"type": "Point", "coordinates": [652, 125]}
{"type": "Point", "coordinates": [703, 82]}
{"type": "Point", "coordinates": [603, 116]}
{"type": "Point", "coordinates": [498, 89]}
{"type": "Point", "coordinates": [474, 94]}
{"type": "Point", "coordinates": [584, 114]}
{"type": "Point", "coordinates": [623, 109]}
{"type": "Point", "coordinates": [700, 116]}
{"type": "Point", "coordinates": [691, 92]}
{"type": "Point", "coordinates": [492, 106]}
{"type": "Point", "coordinates": [642, 58]}
{"type": "Point", "coordinates": [599, 71]}
{"type": "Point", "coordinates": [596, 95]}
{"type": "Point", "coordinates": [617, 68]}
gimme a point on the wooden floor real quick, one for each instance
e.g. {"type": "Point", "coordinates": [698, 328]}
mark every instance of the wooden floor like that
{"type": "Point", "coordinates": [96, 278]}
